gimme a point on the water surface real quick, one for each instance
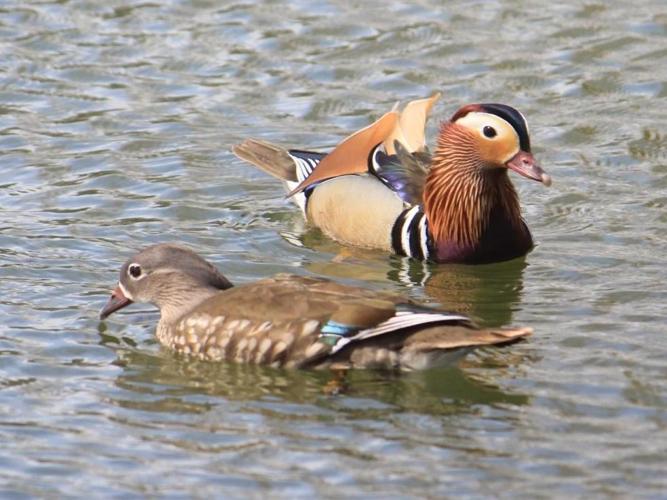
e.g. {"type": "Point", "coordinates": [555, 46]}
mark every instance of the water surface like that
{"type": "Point", "coordinates": [116, 121]}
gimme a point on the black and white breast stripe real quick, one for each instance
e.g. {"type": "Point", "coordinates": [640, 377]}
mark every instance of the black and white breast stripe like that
{"type": "Point", "coordinates": [409, 235]}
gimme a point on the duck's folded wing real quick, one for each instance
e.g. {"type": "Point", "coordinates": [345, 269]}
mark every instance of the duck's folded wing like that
{"type": "Point", "coordinates": [403, 172]}
{"type": "Point", "coordinates": [404, 161]}
{"type": "Point", "coordinates": [417, 328]}
{"type": "Point", "coordinates": [305, 162]}
{"type": "Point", "coordinates": [404, 317]}
{"type": "Point", "coordinates": [352, 154]}
{"type": "Point", "coordinates": [410, 130]}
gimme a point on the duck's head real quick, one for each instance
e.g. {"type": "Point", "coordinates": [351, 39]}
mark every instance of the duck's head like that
{"type": "Point", "coordinates": [498, 135]}
{"type": "Point", "coordinates": [172, 277]}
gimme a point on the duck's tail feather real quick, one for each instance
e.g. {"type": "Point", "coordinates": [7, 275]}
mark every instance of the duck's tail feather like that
{"type": "Point", "coordinates": [431, 347]}
{"type": "Point", "coordinates": [448, 337]}
{"type": "Point", "coordinates": [497, 336]}
{"type": "Point", "coordinates": [271, 158]}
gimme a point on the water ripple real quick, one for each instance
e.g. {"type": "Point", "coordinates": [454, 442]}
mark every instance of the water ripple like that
{"type": "Point", "coordinates": [116, 123]}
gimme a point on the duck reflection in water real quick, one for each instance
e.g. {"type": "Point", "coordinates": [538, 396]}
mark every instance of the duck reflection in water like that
{"type": "Point", "coordinates": [156, 381]}
{"type": "Point", "coordinates": [488, 293]}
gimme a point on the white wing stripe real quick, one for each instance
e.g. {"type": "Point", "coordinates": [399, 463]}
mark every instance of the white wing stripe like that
{"type": "Point", "coordinates": [402, 320]}
{"type": "Point", "coordinates": [304, 166]}
{"type": "Point", "coordinates": [304, 171]}
{"type": "Point", "coordinates": [313, 163]}
{"type": "Point", "coordinates": [300, 167]}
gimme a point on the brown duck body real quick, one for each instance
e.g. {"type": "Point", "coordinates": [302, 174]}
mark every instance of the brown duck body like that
{"type": "Point", "coordinates": [292, 321]}
{"type": "Point", "coordinates": [379, 188]}
{"type": "Point", "coordinates": [282, 326]}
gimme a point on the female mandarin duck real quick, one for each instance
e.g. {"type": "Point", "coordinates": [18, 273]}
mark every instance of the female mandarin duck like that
{"type": "Point", "coordinates": [380, 188]}
{"type": "Point", "coordinates": [291, 321]}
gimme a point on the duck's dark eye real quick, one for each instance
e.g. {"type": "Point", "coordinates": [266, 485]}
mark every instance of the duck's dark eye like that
{"type": "Point", "coordinates": [490, 132]}
{"type": "Point", "coordinates": [134, 270]}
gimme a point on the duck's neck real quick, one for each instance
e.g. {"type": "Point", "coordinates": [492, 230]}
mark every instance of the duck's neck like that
{"type": "Point", "coordinates": [176, 302]}
{"type": "Point", "coordinates": [463, 198]}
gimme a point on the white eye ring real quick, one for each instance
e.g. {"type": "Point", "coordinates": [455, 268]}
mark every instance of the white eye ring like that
{"type": "Point", "coordinates": [134, 271]}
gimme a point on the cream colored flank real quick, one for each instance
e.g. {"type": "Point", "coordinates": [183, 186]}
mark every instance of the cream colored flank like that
{"type": "Point", "coordinates": [356, 210]}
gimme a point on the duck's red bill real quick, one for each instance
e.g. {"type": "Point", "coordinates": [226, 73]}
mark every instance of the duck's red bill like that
{"type": "Point", "coordinates": [118, 300]}
{"type": "Point", "coordinates": [523, 163]}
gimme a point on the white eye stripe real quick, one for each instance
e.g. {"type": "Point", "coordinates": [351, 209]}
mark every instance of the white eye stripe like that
{"type": "Point", "coordinates": [477, 121]}
{"type": "Point", "coordinates": [127, 294]}
{"type": "Point", "coordinates": [525, 122]}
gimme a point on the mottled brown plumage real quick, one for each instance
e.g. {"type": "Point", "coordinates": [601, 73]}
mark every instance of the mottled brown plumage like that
{"type": "Point", "coordinates": [291, 321]}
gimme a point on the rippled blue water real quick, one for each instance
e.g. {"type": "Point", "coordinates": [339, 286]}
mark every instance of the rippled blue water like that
{"type": "Point", "coordinates": [116, 121]}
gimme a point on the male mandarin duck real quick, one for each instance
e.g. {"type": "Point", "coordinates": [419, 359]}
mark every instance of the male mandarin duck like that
{"type": "Point", "coordinates": [380, 188]}
{"type": "Point", "coordinates": [291, 321]}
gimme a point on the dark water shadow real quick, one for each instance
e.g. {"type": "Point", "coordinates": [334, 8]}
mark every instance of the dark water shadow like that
{"type": "Point", "coordinates": [488, 293]}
